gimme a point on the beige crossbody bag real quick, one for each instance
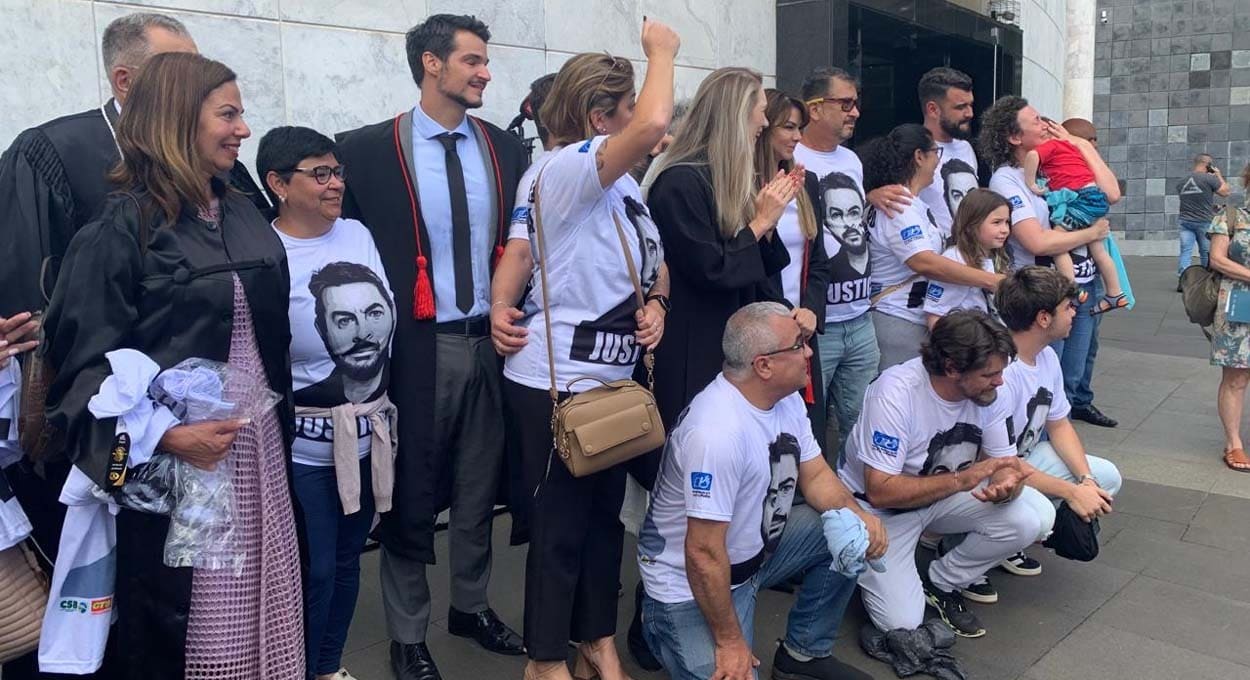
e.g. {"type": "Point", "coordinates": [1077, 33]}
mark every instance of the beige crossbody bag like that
{"type": "Point", "coordinates": [609, 424]}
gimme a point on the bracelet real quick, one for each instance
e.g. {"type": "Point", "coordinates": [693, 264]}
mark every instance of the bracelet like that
{"type": "Point", "coordinates": [499, 302]}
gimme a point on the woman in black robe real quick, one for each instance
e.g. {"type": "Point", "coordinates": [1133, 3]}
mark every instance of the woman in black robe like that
{"type": "Point", "coordinates": [179, 266]}
{"type": "Point", "coordinates": [718, 230]}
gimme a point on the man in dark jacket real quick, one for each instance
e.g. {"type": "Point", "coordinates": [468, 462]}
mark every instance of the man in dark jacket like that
{"type": "Point", "coordinates": [435, 186]}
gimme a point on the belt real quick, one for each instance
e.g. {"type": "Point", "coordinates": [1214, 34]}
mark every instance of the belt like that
{"type": "Point", "coordinates": [477, 326]}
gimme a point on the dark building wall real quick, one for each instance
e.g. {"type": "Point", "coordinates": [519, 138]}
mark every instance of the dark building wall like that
{"type": "Point", "coordinates": [1171, 80]}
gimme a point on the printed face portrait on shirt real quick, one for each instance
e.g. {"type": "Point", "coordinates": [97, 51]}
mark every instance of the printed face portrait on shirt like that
{"type": "Point", "coordinates": [959, 179]}
{"type": "Point", "coordinates": [355, 318]}
{"type": "Point", "coordinates": [952, 450]}
{"type": "Point", "coordinates": [843, 211]}
{"type": "Point", "coordinates": [1036, 412]}
{"type": "Point", "coordinates": [783, 465]}
{"type": "Point", "coordinates": [649, 237]}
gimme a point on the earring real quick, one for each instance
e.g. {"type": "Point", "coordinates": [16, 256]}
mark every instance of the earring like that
{"type": "Point", "coordinates": [600, 129]}
{"type": "Point", "coordinates": [282, 199]}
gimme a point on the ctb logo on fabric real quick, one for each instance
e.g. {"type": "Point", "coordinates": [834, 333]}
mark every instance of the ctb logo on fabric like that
{"type": "Point", "coordinates": [884, 443]}
{"type": "Point", "coordinates": [701, 484]}
{"type": "Point", "coordinates": [953, 449]}
{"type": "Point", "coordinates": [1016, 202]}
{"type": "Point", "coordinates": [935, 292]}
{"type": "Point", "coordinates": [909, 234]}
{"type": "Point", "coordinates": [609, 339]}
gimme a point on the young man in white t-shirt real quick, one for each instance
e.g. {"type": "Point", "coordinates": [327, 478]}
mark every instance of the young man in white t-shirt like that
{"type": "Point", "coordinates": [722, 523]}
{"type": "Point", "coordinates": [848, 344]}
{"type": "Point", "coordinates": [1038, 306]}
{"type": "Point", "coordinates": [946, 103]}
{"type": "Point", "coordinates": [930, 452]}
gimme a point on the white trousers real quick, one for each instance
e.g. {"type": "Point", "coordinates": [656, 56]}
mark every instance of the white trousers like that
{"type": "Point", "coordinates": [895, 598]}
{"type": "Point", "coordinates": [1044, 458]}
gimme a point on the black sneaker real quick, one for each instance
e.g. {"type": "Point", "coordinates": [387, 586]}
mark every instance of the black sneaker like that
{"type": "Point", "coordinates": [981, 591]}
{"type": "Point", "coordinates": [786, 667]}
{"type": "Point", "coordinates": [1021, 565]}
{"type": "Point", "coordinates": [950, 606]}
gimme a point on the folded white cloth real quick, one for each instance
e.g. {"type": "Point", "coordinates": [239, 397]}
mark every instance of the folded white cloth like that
{"type": "Point", "coordinates": [10, 410]}
{"type": "Point", "coordinates": [847, 538]}
{"type": "Point", "coordinates": [124, 395]}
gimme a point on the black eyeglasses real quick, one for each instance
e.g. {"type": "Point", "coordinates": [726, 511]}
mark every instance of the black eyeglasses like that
{"type": "Point", "coordinates": [937, 150]}
{"type": "Point", "coordinates": [798, 344]}
{"type": "Point", "coordinates": [322, 173]}
{"type": "Point", "coordinates": [847, 104]}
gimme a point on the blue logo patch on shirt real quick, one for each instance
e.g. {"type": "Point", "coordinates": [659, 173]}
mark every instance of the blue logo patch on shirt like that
{"type": "Point", "coordinates": [935, 292]}
{"type": "Point", "coordinates": [884, 443]}
{"type": "Point", "coordinates": [701, 484]}
{"type": "Point", "coordinates": [911, 233]}
{"type": "Point", "coordinates": [585, 147]}
{"type": "Point", "coordinates": [521, 214]}
{"type": "Point", "coordinates": [1016, 202]}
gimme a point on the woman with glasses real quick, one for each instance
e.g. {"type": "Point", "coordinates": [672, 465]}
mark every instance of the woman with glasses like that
{"type": "Point", "coordinates": [907, 248]}
{"type": "Point", "coordinates": [719, 229]}
{"type": "Point", "coordinates": [342, 318]}
{"type": "Point", "coordinates": [178, 266]}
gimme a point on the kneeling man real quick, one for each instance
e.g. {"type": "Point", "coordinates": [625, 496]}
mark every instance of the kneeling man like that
{"type": "Point", "coordinates": [723, 523]}
{"type": "Point", "coordinates": [931, 452]}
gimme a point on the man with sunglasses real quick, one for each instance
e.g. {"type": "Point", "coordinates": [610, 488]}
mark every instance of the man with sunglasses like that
{"type": "Point", "coordinates": [1038, 305]}
{"type": "Point", "coordinates": [723, 525]}
{"type": "Point", "coordinates": [930, 453]}
{"type": "Point", "coordinates": [946, 102]}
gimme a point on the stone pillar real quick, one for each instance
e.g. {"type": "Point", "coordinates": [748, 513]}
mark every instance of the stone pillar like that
{"type": "Point", "coordinates": [1078, 89]}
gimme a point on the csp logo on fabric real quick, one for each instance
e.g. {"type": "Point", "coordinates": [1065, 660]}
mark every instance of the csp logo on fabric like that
{"type": "Point", "coordinates": [1016, 202]}
{"type": "Point", "coordinates": [911, 233]}
{"type": "Point", "coordinates": [884, 443]}
{"type": "Point", "coordinates": [935, 292]}
{"type": "Point", "coordinates": [521, 214]}
{"type": "Point", "coordinates": [701, 484]}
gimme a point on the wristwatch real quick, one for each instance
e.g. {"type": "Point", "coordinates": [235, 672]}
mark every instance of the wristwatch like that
{"type": "Point", "coordinates": [663, 300]}
{"type": "Point", "coordinates": [1082, 478]}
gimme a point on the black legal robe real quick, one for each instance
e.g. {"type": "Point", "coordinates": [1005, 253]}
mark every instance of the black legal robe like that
{"type": "Point", "coordinates": [378, 195]}
{"type": "Point", "coordinates": [712, 277]}
{"type": "Point", "coordinates": [53, 180]}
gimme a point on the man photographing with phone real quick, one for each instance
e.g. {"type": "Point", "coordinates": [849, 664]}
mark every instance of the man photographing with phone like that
{"type": "Point", "coordinates": [1197, 193]}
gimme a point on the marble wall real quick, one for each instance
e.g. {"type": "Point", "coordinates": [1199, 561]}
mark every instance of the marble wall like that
{"type": "Point", "coordinates": [1044, 23]}
{"type": "Point", "coordinates": [338, 64]}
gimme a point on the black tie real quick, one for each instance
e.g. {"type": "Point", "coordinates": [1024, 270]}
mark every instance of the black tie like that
{"type": "Point", "coordinates": [459, 222]}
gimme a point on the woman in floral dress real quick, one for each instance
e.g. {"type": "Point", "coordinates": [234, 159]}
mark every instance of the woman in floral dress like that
{"type": "Point", "coordinates": [1230, 342]}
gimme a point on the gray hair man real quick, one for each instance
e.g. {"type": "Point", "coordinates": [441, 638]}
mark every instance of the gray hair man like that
{"type": "Point", "coordinates": [722, 523]}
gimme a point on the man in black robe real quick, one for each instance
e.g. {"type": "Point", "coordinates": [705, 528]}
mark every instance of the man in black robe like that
{"type": "Point", "coordinates": [436, 188]}
{"type": "Point", "coordinates": [53, 180]}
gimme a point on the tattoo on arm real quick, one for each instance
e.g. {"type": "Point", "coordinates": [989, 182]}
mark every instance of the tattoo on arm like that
{"type": "Point", "coordinates": [599, 155]}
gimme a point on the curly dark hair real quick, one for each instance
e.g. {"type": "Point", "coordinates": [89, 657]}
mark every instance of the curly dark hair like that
{"type": "Point", "coordinates": [998, 124]}
{"type": "Point", "coordinates": [891, 159]}
{"type": "Point", "coordinates": [963, 341]}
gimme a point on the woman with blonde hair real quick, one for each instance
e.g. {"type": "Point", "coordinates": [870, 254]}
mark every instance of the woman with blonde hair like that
{"type": "Point", "coordinates": [1230, 340]}
{"type": "Point", "coordinates": [591, 217]}
{"type": "Point", "coordinates": [179, 266]}
{"type": "Point", "coordinates": [718, 226]}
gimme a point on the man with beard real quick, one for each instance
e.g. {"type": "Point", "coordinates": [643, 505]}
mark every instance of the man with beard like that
{"type": "Point", "coordinates": [913, 458]}
{"type": "Point", "coordinates": [848, 346]}
{"type": "Point", "coordinates": [958, 178]}
{"type": "Point", "coordinates": [1038, 305]}
{"type": "Point", "coordinates": [436, 187]}
{"type": "Point", "coordinates": [354, 317]}
{"type": "Point", "coordinates": [946, 102]}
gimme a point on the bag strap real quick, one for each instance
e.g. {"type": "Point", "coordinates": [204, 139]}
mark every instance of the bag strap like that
{"type": "Point", "coordinates": [541, 242]}
{"type": "Point", "coordinates": [648, 358]}
{"type": "Point", "coordinates": [872, 301]}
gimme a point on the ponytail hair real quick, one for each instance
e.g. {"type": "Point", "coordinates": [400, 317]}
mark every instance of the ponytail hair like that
{"type": "Point", "coordinates": [892, 159]}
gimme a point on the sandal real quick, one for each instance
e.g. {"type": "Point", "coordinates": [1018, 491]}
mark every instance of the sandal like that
{"type": "Point", "coordinates": [1109, 303]}
{"type": "Point", "coordinates": [1236, 460]}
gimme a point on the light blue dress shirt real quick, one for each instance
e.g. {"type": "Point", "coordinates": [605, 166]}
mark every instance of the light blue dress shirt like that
{"type": "Point", "coordinates": [430, 162]}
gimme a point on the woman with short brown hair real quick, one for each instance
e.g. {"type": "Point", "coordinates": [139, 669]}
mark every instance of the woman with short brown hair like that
{"type": "Point", "coordinates": [178, 266]}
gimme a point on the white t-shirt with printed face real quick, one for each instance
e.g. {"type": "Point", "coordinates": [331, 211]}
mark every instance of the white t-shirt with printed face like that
{"type": "Point", "coordinates": [1035, 396]}
{"type": "Point", "coordinates": [1010, 183]}
{"type": "Point", "coordinates": [894, 240]}
{"type": "Point", "coordinates": [906, 428]}
{"type": "Point", "coordinates": [842, 227]}
{"type": "Point", "coordinates": [959, 162]}
{"type": "Point", "coordinates": [592, 300]}
{"type": "Point", "coordinates": [346, 357]}
{"type": "Point", "coordinates": [941, 299]}
{"type": "Point", "coordinates": [726, 461]}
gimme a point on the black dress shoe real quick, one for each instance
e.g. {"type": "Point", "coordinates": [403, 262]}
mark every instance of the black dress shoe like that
{"type": "Point", "coordinates": [413, 662]}
{"type": "Point", "coordinates": [487, 629]}
{"type": "Point", "coordinates": [638, 647]}
{"type": "Point", "coordinates": [1093, 416]}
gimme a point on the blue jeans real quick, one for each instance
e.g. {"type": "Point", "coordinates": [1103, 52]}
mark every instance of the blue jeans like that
{"type": "Point", "coordinates": [1078, 351]}
{"type": "Point", "coordinates": [848, 362]}
{"type": "Point", "coordinates": [680, 637]}
{"type": "Point", "coordinates": [1193, 232]}
{"type": "Point", "coordinates": [332, 563]}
